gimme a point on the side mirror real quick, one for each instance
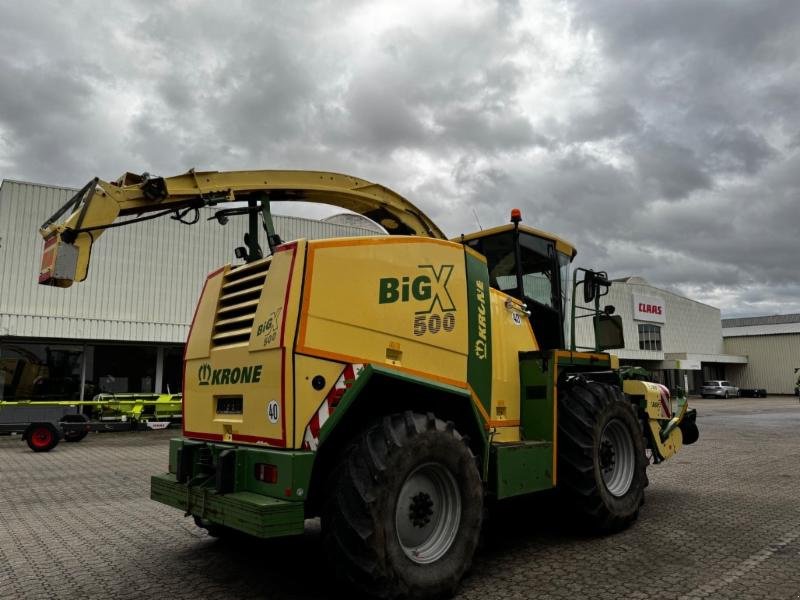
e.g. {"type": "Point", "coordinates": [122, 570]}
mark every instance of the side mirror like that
{"type": "Point", "coordinates": [608, 332]}
{"type": "Point", "coordinates": [589, 286]}
{"type": "Point", "coordinates": [592, 284]}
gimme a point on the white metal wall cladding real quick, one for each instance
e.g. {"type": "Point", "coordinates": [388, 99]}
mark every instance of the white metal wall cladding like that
{"type": "Point", "coordinates": [772, 360]}
{"type": "Point", "coordinates": [143, 280]}
{"type": "Point", "coordinates": [690, 326]}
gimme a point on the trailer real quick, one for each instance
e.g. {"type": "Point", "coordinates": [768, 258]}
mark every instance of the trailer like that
{"type": "Point", "coordinates": [44, 423]}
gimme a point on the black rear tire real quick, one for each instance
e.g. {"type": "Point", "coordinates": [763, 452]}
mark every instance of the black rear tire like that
{"type": "Point", "coordinates": [386, 536]}
{"type": "Point", "coordinates": [71, 433]}
{"type": "Point", "coordinates": [74, 436]}
{"type": "Point", "coordinates": [601, 457]}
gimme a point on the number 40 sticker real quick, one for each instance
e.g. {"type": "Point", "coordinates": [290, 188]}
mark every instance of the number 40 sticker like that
{"type": "Point", "coordinates": [273, 411]}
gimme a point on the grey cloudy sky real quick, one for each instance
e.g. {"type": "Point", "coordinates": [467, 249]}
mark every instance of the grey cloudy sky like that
{"type": "Point", "coordinates": [661, 137]}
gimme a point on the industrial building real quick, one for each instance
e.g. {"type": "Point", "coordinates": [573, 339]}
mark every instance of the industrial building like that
{"type": "Point", "coordinates": [677, 339]}
{"type": "Point", "coordinates": [122, 330]}
{"type": "Point", "coordinates": [772, 347]}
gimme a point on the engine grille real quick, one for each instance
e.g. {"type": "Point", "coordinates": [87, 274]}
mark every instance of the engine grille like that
{"type": "Point", "coordinates": [241, 292]}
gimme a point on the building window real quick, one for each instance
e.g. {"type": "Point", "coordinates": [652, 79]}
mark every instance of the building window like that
{"type": "Point", "coordinates": [649, 337]}
{"type": "Point", "coordinates": [121, 369]}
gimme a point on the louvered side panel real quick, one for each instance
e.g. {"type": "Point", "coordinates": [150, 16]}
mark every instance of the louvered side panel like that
{"type": "Point", "coordinates": [240, 294]}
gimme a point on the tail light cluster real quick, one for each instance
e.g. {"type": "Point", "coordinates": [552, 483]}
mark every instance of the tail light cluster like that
{"type": "Point", "coordinates": [266, 473]}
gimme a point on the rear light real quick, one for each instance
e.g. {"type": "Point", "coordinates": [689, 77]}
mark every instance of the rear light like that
{"type": "Point", "coordinates": [267, 473]}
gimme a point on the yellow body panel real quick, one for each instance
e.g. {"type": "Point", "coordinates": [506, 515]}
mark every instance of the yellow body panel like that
{"type": "Point", "coordinates": [651, 393]}
{"type": "Point", "coordinates": [261, 366]}
{"type": "Point", "coordinates": [424, 333]}
{"type": "Point", "coordinates": [308, 399]}
{"type": "Point", "coordinates": [670, 446]}
{"type": "Point", "coordinates": [200, 408]}
{"type": "Point", "coordinates": [511, 334]}
{"type": "Point", "coordinates": [198, 345]}
{"type": "Point", "coordinates": [275, 321]}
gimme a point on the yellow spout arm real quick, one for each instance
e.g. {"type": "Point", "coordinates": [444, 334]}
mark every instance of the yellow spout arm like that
{"type": "Point", "coordinates": [99, 204]}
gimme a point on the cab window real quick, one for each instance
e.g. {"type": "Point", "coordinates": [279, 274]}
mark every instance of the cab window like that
{"type": "Point", "coordinates": [540, 285]}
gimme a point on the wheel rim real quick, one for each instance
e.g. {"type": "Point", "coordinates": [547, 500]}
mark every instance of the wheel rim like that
{"type": "Point", "coordinates": [41, 437]}
{"type": "Point", "coordinates": [617, 458]}
{"type": "Point", "coordinates": [428, 513]}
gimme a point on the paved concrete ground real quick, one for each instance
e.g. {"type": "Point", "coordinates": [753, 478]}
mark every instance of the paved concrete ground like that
{"type": "Point", "coordinates": [722, 520]}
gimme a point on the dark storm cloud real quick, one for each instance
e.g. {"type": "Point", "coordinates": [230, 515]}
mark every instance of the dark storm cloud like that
{"type": "Point", "coordinates": [662, 138]}
{"type": "Point", "coordinates": [668, 170]}
{"type": "Point", "coordinates": [36, 120]}
{"type": "Point", "coordinates": [612, 120]}
{"type": "Point", "coordinates": [716, 87]}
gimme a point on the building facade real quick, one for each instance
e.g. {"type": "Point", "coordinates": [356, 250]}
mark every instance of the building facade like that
{"type": "Point", "coordinates": [772, 347]}
{"type": "Point", "coordinates": [677, 339]}
{"type": "Point", "coordinates": [123, 329]}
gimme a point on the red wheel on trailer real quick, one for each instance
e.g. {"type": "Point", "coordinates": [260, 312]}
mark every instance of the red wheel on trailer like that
{"type": "Point", "coordinates": [41, 437]}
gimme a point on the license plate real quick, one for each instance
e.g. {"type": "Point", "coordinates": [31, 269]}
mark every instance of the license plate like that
{"type": "Point", "coordinates": [229, 405]}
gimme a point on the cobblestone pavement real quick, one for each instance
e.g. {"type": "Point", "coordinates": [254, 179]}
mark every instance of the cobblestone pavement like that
{"type": "Point", "coordinates": [722, 520]}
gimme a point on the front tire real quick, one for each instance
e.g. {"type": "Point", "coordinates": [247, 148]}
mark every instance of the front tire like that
{"type": "Point", "coordinates": [404, 509]}
{"type": "Point", "coordinates": [601, 458]}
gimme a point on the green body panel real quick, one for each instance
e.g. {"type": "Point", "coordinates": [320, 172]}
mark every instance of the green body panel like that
{"type": "Point", "coordinates": [255, 514]}
{"type": "Point", "coordinates": [479, 361]}
{"type": "Point", "coordinates": [351, 395]}
{"type": "Point", "coordinates": [294, 468]}
{"type": "Point", "coordinates": [521, 468]}
{"type": "Point", "coordinates": [571, 362]}
{"type": "Point", "coordinates": [537, 396]}
{"type": "Point", "coordinates": [370, 371]}
{"type": "Point", "coordinates": [527, 466]}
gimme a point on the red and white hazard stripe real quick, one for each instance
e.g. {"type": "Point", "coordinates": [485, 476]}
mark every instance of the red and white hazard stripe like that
{"type": "Point", "coordinates": [345, 381]}
{"type": "Point", "coordinates": [664, 396]}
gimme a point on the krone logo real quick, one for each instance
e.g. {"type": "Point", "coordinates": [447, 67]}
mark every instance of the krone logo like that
{"type": "Point", "coordinates": [429, 286]}
{"type": "Point", "coordinates": [482, 339]}
{"type": "Point", "coordinates": [208, 376]}
{"type": "Point", "coordinates": [204, 373]}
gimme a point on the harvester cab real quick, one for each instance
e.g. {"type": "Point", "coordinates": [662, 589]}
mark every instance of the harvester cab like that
{"type": "Point", "coordinates": [533, 267]}
{"type": "Point", "coordinates": [388, 384]}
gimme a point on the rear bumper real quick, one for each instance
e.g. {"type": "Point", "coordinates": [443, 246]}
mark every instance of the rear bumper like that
{"type": "Point", "coordinates": [254, 514]}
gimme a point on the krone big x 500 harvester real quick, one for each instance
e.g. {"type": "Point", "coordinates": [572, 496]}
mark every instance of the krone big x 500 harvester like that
{"type": "Point", "coordinates": [391, 384]}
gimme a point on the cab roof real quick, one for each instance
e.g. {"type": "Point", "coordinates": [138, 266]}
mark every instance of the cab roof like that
{"type": "Point", "coordinates": [562, 246]}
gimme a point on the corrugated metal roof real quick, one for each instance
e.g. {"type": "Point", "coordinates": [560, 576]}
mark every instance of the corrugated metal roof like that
{"type": "Point", "coordinates": [143, 282]}
{"type": "Point", "coordinates": [768, 320]}
{"type": "Point", "coordinates": [776, 329]}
